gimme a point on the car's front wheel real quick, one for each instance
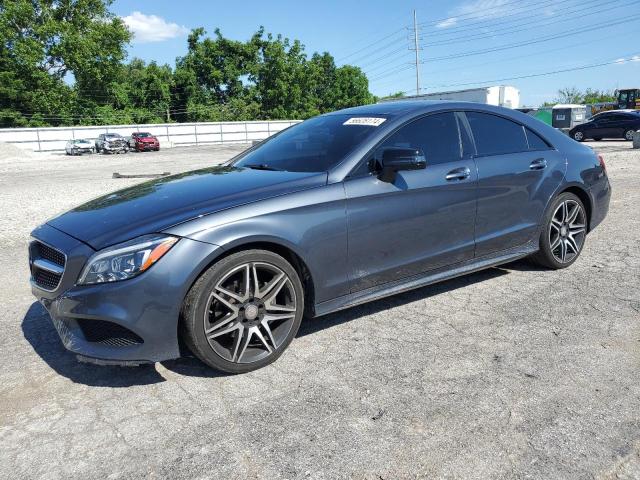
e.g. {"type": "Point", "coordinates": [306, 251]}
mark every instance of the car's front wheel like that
{"type": "Point", "coordinates": [244, 311]}
{"type": "Point", "coordinates": [564, 232]}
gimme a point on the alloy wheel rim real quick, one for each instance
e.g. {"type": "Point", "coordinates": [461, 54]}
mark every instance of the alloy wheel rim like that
{"type": "Point", "coordinates": [567, 232]}
{"type": "Point", "coordinates": [578, 135]}
{"type": "Point", "coordinates": [629, 135]}
{"type": "Point", "coordinates": [250, 312]}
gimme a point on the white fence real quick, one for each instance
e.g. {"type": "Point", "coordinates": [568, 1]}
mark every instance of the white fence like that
{"type": "Point", "coordinates": [48, 139]}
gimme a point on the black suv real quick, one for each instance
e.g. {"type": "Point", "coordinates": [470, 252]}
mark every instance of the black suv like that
{"type": "Point", "coordinates": [611, 124]}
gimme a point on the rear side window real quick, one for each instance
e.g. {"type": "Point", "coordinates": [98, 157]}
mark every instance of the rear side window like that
{"type": "Point", "coordinates": [496, 135]}
{"type": "Point", "coordinates": [535, 141]}
{"type": "Point", "coordinates": [436, 135]}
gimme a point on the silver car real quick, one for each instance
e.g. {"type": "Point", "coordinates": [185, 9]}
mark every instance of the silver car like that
{"type": "Point", "coordinates": [78, 147]}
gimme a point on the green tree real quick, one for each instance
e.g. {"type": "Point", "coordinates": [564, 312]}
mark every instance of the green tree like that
{"type": "Point", "coordinates": [47, 44]}
{"type": "Point", "coordinates": [598, 96]}
{"type": "Point", "coordinates": [569, 95]}
{"type": "Point", "coordinates": [63, 62]}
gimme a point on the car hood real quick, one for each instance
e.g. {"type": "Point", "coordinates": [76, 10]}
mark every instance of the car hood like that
{"type": "Point", "coordinates": [147, 139]}
{"type": "Point", "coordinates": [82, 144]}
{"type": "Point", "coordinates": [158, 204]}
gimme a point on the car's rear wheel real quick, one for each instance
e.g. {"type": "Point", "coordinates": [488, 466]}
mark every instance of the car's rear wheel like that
{"type": "Point", "coordinates": [628, 135]}
{"type": "Point", "coordinates": [597, 139]}
{"type": "Point", "coordinates": [578, 136]}
{"type": "Point", "coordinates": [564, 232]}
{"type": "Point", "coordinates": [244, 311]}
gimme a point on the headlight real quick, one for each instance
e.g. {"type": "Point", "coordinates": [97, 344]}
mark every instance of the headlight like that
{"type": "Point", "coordinates": [126, 260]}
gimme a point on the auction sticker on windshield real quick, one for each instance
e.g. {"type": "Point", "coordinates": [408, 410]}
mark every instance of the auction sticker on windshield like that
{"type": "Point", "coordinates": [367, 121]}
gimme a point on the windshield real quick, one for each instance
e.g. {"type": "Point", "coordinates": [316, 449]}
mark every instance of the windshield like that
{"type": "Point", "coordinates": [143, 134]}
{"type": "Point", "coordinates": [81, 140]}
{"type": "Point", "coordinates": [112, 135]}
{"type": "Point", "coordinates": [315, 145]}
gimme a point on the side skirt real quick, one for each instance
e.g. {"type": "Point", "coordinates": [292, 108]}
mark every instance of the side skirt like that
{"type": "Point", "coordinates": [428, 278]}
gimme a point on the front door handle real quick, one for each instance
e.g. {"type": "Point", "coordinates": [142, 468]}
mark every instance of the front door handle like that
{"type": "Point", "coordinates": [538, 164]}
{"type": "Point", "coordinates": [458, 174]}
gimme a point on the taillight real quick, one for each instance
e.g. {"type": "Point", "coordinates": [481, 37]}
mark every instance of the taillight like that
{"type": "Point", "coordinates": [602, 164]}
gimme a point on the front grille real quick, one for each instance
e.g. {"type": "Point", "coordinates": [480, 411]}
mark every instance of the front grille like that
{"type": "Point", "coordinates": [45, 279]}
{"type": "Point", "coordinates": [48, 253]}
{"type": "Point", "coordinates": [47, 265]}
{"type": "Point", "coordinates": [108, 333]}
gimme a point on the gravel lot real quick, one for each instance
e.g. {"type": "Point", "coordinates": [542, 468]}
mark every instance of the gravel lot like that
{"type": "Point", "coordinates": [514, 372]}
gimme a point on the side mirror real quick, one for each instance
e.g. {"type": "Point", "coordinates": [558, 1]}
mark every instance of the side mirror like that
{"type": "Point", "coordinates": [396, 159]}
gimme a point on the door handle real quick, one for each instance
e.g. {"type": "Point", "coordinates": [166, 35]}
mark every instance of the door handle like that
{"type": "Point", "coordinates": [538, 164]}
{"type": "Point", "coordinates": [458, 174]}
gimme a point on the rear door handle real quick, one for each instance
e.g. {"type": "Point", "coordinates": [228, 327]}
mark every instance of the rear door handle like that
{"type": "Point", "coordinates": [538, 164]}
{"type": "Point", "coordinates": [458, 174]}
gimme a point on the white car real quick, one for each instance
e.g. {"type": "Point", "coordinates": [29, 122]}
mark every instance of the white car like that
{"type": "Point", "coordinates": [78, 147]}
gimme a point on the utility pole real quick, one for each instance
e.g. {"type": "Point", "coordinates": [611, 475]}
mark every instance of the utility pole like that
{"type": "Point", "coordinates": [416, 46]}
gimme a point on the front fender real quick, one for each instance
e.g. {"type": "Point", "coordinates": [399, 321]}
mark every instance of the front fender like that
{"type": "Point", "coordinates": [312, 224]}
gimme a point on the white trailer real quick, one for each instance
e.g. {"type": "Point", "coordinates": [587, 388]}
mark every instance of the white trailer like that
{"type": "Point", "coordinates": [500, 95]}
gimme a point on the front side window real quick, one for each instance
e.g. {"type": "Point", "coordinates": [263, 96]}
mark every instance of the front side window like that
{"type": "Point", "coordinates": [315, 145]}
{"type": "Point", "coordinates": [437, 136]}
{"type": "Point", "coordinates": [496, 135]}
{"type": "Point", "coordinates": [623, 99]}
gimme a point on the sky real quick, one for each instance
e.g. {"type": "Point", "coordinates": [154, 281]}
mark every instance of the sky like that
{"type": "Point", "coordinates": [462, 44]}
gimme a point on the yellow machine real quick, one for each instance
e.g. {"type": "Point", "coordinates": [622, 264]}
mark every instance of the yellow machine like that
{"type": "Point", "coordinates": [629, 98]}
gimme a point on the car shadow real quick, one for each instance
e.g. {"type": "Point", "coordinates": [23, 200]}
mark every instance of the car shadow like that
{"type": "Point", "coordinates": [523, 265]}
{"type": "Point", "coordinates": [38, 330]}
{"type": "Point", "coordinates": [313, 325]}
{"type": "Point", "coordinates": [40, 333]}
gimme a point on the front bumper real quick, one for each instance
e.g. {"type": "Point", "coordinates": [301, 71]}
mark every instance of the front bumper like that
{"type": "Point", "coordinates": [141, 147]}
{"type": "Point", "coordinates": [115, 147]}
{"type": "Point", "coordinates": [133, 321]}
{"type": "Point", "coordinates": [82, 150]}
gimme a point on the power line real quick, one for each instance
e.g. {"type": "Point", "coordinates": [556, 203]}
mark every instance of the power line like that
{"type": "Point", "coordinates": [341, 59]}
{"type": "Point", "coordinates": [369, 67]}
{"type": "Point", "coordinates": [471, 15]}
{"type": "Point", "coordinates": [539, 52]}
{"type": "Point", "coordinates": [516, 28]}
{"type": "Point", "coordinates": [404, 58]}
{"type": "Point", "coordinates": [631, 58]}
{"type": "Point", "coordinates": [624, 59]}
{"type": "Point", "coordinates": [584, 29]}
{"type": "Point", "coordinates": [534, 8]}
{"type": "Point", "coordinates": [123, 113]}
{"type": "Point", "coordinates": [391, 72]}
{"type": "Point", "coordinates": [378, 51]}
{"type": "Point", "coordinates": [396, 32]}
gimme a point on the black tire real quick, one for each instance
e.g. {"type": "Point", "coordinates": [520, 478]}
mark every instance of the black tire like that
{"type": "Point", "coordinates": [199, 307]}
{"type": "Point", "coordinates": [597, 139]}
{"type": "Point", "coordinates": [549, 257]}
{"type": "Point", "coordinates": [628, 135]}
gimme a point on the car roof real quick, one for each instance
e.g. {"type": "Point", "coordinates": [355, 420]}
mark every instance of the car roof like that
{"type": "Point", "coordinates": [622, 110]}
{"type": "Point", "coordinates": [398, 107]}
{"type": "Point", "coordinates": [409, 108]}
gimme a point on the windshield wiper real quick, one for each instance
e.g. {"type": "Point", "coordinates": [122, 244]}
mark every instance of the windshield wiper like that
{"type": "Point", "coordinates": [261, 166]}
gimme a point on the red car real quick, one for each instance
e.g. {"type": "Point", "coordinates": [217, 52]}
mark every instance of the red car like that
{"type": "Point", "coordinates": [141, 141]}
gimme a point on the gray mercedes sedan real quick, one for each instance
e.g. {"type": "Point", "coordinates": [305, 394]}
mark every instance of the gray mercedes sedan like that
{"type": "Point", "coordinates": [330, 213]}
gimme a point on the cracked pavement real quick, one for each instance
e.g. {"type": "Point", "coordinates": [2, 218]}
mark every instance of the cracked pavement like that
{"type": "Point", "coordinates": [513, 372]}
